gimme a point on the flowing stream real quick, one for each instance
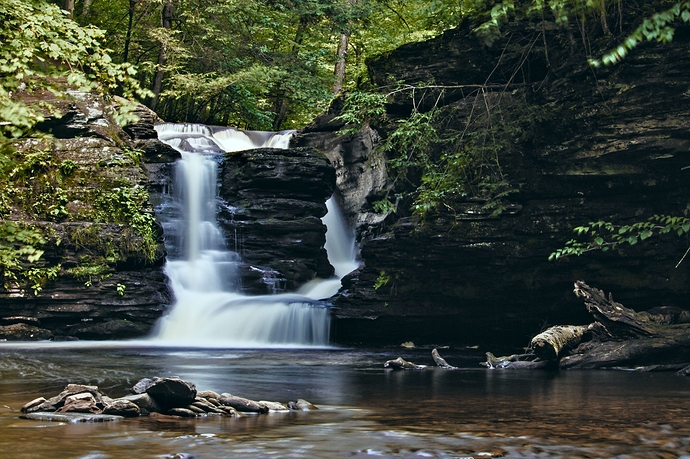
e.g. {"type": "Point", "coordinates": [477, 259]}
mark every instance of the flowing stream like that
{"type": "Point", "coordinates": [209, 310]}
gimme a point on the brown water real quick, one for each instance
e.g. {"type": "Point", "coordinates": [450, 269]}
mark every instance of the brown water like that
{"type": "Point", "coordinates": [366, 411]}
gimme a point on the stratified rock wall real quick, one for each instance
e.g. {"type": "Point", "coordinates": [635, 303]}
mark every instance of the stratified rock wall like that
{"type": "Point", "coordinates": [276, 200]}
{"type": "Point", "coordinates": [613, 145]}
{"type": "Point", "coordinates": [110, 283]}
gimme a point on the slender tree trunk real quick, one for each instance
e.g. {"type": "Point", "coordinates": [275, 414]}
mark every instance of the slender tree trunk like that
{"type": "Point", "coordinates": [157, 86]}
{"type": "Point", "coordinates": [130, 22]}
{"type": "Point", "coordinates": [86, 7]}
{"type": "Point", "coordinates": [341, 62]}
{"type": "Point", "coordinates": [69, 7]}
{"type": "Point", "coordinates": [281, 103]}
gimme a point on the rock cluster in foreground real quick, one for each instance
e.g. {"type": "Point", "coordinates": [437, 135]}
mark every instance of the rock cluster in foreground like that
{"type": "Point", "coordinates": [167, 396]}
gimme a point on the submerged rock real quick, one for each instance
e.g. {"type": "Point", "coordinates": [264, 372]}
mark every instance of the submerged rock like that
{"type": "Point", "coordinates": [71, 417]}
{"type": "Point", "coordinates": [302, 405]}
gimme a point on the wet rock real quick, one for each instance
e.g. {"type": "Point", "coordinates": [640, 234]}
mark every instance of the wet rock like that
{"type": "Point", "coordinates": [71, 417]}
{"type": "Point", "coordinates": [402, 364]}
{"type": "Point", "coordinates": [302, 405]}
{"type": "Point", "coordinates": [361, 176]}
{"type": "Point", "coordinates": [208, 394]}
{"type": "Point", "coordinates": [141, 386]}
{"type": "Point", "coordinates": [20, 320]}
{"type": "Point", "coordinates": [145, 403]}
{"type": "Point", "coordinates": [24, 332]}
{"type": "Point", "coordinates": [205, 406]}
{"type": "Point", "coordinates": [273, 406]}
{"type": "Point", "coordinates": [243, 405]}
{"type": "Point", "coordinates": [77, 397]}
{"type": "Point", "coordinates": [603, 150]}
{"type": "Point", "coordinates": [182, 412]}
{"type": "Point", "coordinates": [120, 328]}
{"type": "Point", "coordinates": [100, 157]}
{"type": "Point", "coordinates": [32, 405]}
{"type": "Point", "coordinates": [171, 392]}
{"type": "Point", "coordinates": [122, 407]}
{"type": "Point", "coordinates": [80, 403]}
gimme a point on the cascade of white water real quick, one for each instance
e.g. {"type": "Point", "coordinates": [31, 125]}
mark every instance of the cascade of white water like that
{"type": "Point", "coordinates": [208, 310]}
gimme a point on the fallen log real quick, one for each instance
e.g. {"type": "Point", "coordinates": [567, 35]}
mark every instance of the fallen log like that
{"type": "Point", "coordinates": [549, 344]}
{"type": "Point", "coordinates": [625, 338]}
{"type": "Point", "coordinates": [620, 338]}
{"type": "Point", "coordinates": [619, 321]}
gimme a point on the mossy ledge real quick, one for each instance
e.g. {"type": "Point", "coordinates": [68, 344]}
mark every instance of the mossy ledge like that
{"type": "Point", "coordinates": [82, 252]}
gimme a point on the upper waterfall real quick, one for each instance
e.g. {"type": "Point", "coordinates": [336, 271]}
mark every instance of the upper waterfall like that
{"type": "Point", "coordinates": [209, 309]}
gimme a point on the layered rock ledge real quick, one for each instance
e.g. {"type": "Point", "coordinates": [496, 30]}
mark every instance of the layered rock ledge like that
{"type": "Point", "coordinates": [85, 188]}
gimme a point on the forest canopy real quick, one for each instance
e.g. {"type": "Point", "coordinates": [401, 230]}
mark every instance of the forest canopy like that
{"type": "Point", "coordinates": [255, 64]}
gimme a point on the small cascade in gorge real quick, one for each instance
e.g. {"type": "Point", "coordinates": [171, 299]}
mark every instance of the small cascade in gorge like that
{"type": "Point", "coordinates": [209, 310]}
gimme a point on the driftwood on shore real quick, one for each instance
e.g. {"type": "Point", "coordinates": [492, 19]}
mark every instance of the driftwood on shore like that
{"type": "Point", "coordinates": [655, 340]}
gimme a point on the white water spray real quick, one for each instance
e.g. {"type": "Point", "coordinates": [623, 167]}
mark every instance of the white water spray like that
{"type": "Point", "coordinates": [209, 312]}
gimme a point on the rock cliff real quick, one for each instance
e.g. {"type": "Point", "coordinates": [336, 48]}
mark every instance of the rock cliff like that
{"type": "Point", "coordinates": [277, 198]}
{"type": "Point", "coordinates": [83, 192]}
{"type": "Point", "coordinates": [609, 145]}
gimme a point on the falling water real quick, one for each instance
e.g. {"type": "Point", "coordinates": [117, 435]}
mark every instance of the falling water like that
{"type": "Point", "coordinates": [209, 311]}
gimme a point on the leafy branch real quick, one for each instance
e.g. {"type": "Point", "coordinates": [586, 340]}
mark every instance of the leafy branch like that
{"type": "Point", "coordinates": [606, 236]}
{"type": "Point", "coordinates": [657, 27]}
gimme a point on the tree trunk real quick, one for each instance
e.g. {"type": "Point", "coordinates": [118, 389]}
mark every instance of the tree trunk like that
{"type": "Point", "coordinates": [86, 7]}
{"type": "Point", "coordinates": [341, 62]}
{"type": "Point", "coordinates": [69, 7]}
{"type": "Point", "coordinates": [128, 35]}
{"type": "Point", "coordinates": [281, 102]}
{"type": "Point", "coordinates": [157, 86]}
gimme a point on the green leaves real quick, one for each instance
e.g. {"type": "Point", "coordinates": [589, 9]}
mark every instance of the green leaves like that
{"type": "Point", "coordinates": [20, 247]}
{"type": "Point", "coordinates": [605, 236]}
{"type": "Point", "coordinates": [659, 27]}
{"type": "Point", "coordinates": [42, 50]}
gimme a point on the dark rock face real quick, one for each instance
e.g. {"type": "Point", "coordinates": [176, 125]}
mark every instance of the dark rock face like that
{"type": "Point", "coordinates": [361, 175]}
{"type": "Point", "coordinates": [615, 148]}
{"type": "Point", "coordinates": [129, 291]}
{"type": "Point", "coordinates": [278, 198]}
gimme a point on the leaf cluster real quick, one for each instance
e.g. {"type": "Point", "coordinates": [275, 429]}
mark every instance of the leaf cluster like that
{"type": "Point", "coordinates": [604, 236]}
{"type": "Point", "coordinates": [659, 27]}
{"type": "Point", "coordinates": [42, 51]}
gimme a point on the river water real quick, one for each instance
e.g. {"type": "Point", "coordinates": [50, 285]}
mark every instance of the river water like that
{"type": "Point", "coordinates": [365, 410]}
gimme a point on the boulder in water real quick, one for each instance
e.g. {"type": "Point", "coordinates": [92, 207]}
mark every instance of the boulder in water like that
{"type": "Point", "coordinates": [168, 392]}
{"type": "Point", "coordinates": [122, 407]}
{"type": "Point", "coordinates": [83, 402]}
{"type": "Point", "coordinates": [302, 405]}
{"type": "Point", "coordinates": [145, 403]}
{"type": "Point", "coordinates": [243, 405]}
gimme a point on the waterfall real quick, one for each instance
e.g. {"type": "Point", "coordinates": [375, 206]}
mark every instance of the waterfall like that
{"type": "Point", "coordinates": [209, 311]}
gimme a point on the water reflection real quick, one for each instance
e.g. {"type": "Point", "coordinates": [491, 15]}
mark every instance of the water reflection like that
{"type": "Point", "coordinates": [366, 411]}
